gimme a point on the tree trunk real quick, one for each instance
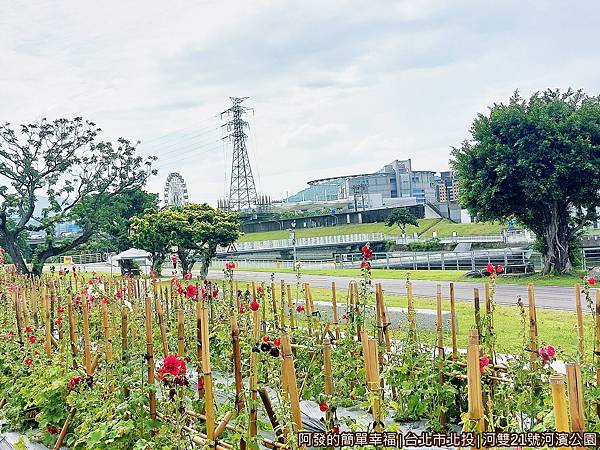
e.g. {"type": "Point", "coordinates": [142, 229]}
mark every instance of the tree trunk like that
{"type": "Point", "coordinates": [157, 261]}
{"type": "Point", "coordinates": [15, 254]}
{"type": "Point", "coordinates": [557, 238]}
{"type": "Point", "coordinates": [207, 257]}
{"type": "Point", "coordinates": [186, 260]}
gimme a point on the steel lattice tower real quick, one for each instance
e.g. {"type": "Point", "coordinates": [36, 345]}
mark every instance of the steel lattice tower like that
{"type": "Point", "coordinates": [242, 191]}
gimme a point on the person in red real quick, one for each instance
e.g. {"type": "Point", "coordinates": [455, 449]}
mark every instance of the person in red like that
{"type": "Point", "coordinates": [174, 261]}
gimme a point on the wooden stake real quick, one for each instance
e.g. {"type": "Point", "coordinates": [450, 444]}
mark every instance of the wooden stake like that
{"type": "Point", "coordinates": [254, 374]}
{"type": "Point", "coordinates": [559, 402]}
{"type": "Point", "coordinates": [533, 340]}
{"type": "Point", "coordinates": [328, 381]}
{"type": "Point", "coordinates": [453, 324]}
{"type": "Point", "coordinates": [289, 374]}
{"type": "Point", "coordinates": [72, 330]}
{"type": "Point", "coordinates": [291, 308]}
{"type": "Point", "coordinates": [597, 345]}
{"type": "Point", "coordinates": [209, 405]}
{"type": "Point", "coordinates": [87, 350]}
{"type": "Point", "coordinates": [106, 330]}
{"type": "Point", "coordinates": [124, 344]}
{"type": "Point", "coordinates": [412, 325]}
{"type": "Point", "coordinates": [474, 382]}
{"type": "Point", "coordinates": [48, 342]}
{"type": "Point", "coordinates": [237, 369]}
{"type": "Point", "coordinates": [575, 386]}
{"type": "Point", "coordinates": [180, 333]}
{"type": "Point", "coordinates": [477, 310]}
{"type": "Point", "coordinates": [580, 329]}
{"type": "Point", "coordinates": [161, 326]}
{"type": "Point", "coordinates": [336, 323]}
{"type": "Point", "coordinates": [150, 357]}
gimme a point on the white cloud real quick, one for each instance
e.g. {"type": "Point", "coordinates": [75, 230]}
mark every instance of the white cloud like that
{"type": "Point", "coordinates": [337, 87]}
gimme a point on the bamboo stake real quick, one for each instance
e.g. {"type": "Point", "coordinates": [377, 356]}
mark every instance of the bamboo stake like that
{"type": "Point", "coordinates": [412, 326]}
{"type": "Point", "coordinates": [370, 357]}
{"type": "Point", "coordinates": [180, 333]}
{"type": "Point", "coordinates": [336, 322]}
{"type": "Point", "coordinates": [328, 381]}
{"type": "Point", "coordinates": [106, 331]}
{"type": "Point", "coordinates": [474, 382]}
{"type": "Point", "coordinates": [290, 308]}
{"type": "Point", "coordinates": [199, 353]}
{"type": "Point", "coordinates": [308, 309]}
{"type": "Point", "coordinates": [580, 329]}
{"type": "Point", "coordinates": [72, 330]}
{"type": "Point", "coordinates": [87, 351]}
{"type": "Point", "coordinates": [282, 320]}
{"type": "Point", "coordinates": [223, 424]}
{"type": "Point", "coordinates": [440, 345]}
{"type": "Point", "coordinates": [597, 346]}
{"type": "Point", "coordinates": [453, 324]}
{"type": "Point", "coordinates": [533, 340]}
{"type": "Point", "coordinates": [124, 344]}
{"type": "Point", "coordinates": [289, 374]}
{"type": "Point", "coordinates": [575, 387]}
{"type": "Point", "coordinates": [274, 303]}
{"type": "Point", "coordinates": [161, 326]}
{"type": "Point", "coordinates": [48, 342]}
{"type": "Point", "coordinates": [237, 370]}
{"type": "Point", "coordinates": [254, 374]}
{"type": "Point", "coordinates": [559, 402]}
{"type": "Point", "coordinates": [264, 396]}
{"type": "Point", "coordinates": [209, 405]}
{"type": "Point", "coordinates": [150, 357]}
{"type": "Point", "coordinates": [477, 310]}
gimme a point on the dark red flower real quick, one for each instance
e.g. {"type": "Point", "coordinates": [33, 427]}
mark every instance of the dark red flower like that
{"type": "Point", "coordinates": [59, 309]}
{"type": "Point", "coordinates": [172, 365]}
{"type": "Point", "coordinates": [490, 268]}
{"type": "Point", "coordinates": [28, 329]}
{"type": "Point", "coordinates": [254, 305]}
{"type": "Point", "coordinates": [59, 321]}
{"type": "Point", "coordinates": [215, 293]}
{"type": "Point", "coordinates": [180, 289]}
{"type": "Point", "coordinates": [32, 339]}
{"type": "Point", "coordinates": [484, 361]}
{"type": "Point", "coordinates": [499, 269]}
{"type": "Point", "coordinates": [242, 308]}
{"type": "Point", "coordinates": [191, 291]}
{"type": "Point", "coordinates": [277, 342]}
{"type": "Point", "coordinates": [299, 308]}
{"type": "Point", "coordinates": [28, 361]}
{"type": "Point", "coordinates": [74, 381]}
{"type": "Point", "coordinates": [200, 383]}
{"type": "Point", "coordinates": [367, 251]}
{"type": "Point", "coordinates": [323, 406]}
{"type": "Point", "coordinates": [592, 281]}
{"type": "Point", "coordinates": [266, 339]}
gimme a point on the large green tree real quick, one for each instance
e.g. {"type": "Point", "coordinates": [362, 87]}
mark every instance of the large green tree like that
{"type": "Point", "coordinates": [151, 232]}
{"type": "Point", "coordinates": [401, 217]}
{"type": "Point", "coordinates": [64, 161]}
{"type": "Point", "coordinates": [538, 161]}
{"type": "Point", "coordinates": [197, 230]}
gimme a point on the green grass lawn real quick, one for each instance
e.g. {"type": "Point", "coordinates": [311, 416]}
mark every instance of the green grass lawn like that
{"type": "Point", "coordinates": [554, 327]}
{"type": "Point", "coordinates": [425, 229]}
{"type": "Point", "coordinates": [435, 275]}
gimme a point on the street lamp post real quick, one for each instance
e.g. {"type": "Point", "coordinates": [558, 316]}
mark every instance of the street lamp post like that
{"type": "Point", "coordinates": [293, 237]}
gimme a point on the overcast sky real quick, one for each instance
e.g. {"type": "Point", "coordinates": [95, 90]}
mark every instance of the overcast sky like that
{"type": "Point", "coordinates": [337, 87]}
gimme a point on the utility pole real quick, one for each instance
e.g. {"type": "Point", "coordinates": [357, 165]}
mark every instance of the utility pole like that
{"type": "Point", "coordinates": [242, 191]}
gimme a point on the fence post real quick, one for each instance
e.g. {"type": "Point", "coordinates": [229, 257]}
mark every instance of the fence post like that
{"type": "Point", "coordinates": [472, 260]}
{"type": "Point", "coordinates": [387, 261]}
{"type": "Point", "coordinates": [443, 262]}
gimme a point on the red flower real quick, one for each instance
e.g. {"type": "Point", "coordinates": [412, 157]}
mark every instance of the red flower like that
{"type": "Point", "coordinates": [104, 301]}
{"type": "Point", "coordinates": [592, 281]}
{"type": "Point", "coordinates": [230, 265]}
{"type": "Point", "coordinates": [191, 291]}
{"type": "Point", "coordinates": [119, 294]}
{"type": "Point", "coordinates": [59, 321]}
{"type": "Point", "coordinates": [277, 342]}
{"type": "Point", "coordinates": [187, 276]}
{"type": "Point", "coordinates": [499, 269]}
{"type": "Point", "coordinates": [215, 293]}
{"type": "Point", "coordinates": [242, 308]}
{"type": "Point", "coordinates": [254, 305]}
{"type": "Point", "coordinates": [299, 308]}
{"type": "Point", "coordinates": [266, 339]}
{"type": "Point", "coordinates": [200, 383]}
{"type": "Point", "coordinates": [551, 351]}
{"type": "Point", "coordinates": [259, 289]}
{"type": "Point", "coordinates": [180, 289]}
{"type": "Point", "coordinates": [28, 361]}
{"type": "Point", "coordinates": [490, 268]}
{"type": "Point", "coordinates": [59, 309]}
{"type": "Point", "coordinates": [28, 329]}
{"type": "Point", "coordinates": [323, 406]}
{"type": "Point", "coordinates": [547, 353]}
{"type": "Point", "coordinates": [32, 339]}
{"type": "Point", "coordinates": [53, 430]}
{"type": "Point", "coordinates": [484, 361]}
{"type": "Point", "coordinates": [172, 365]}
{"type": "Point", "coordinates": [60, 273]}
{"type": "Point", "coordinates": [74, 381]}
{"type": "Point", "coordinates": [366, 251]}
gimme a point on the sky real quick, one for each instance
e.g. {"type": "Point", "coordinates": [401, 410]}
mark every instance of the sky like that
{"type": "Point", "coordinates": [336, 87]}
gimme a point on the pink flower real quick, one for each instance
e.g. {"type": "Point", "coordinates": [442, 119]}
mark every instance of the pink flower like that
{"type": "Point", "coordinates": [490, 268]}
{"type": "Point", "coordinates": [484, 361]}
{"type": "Point", "coordinates": [551, 351]}
{"type": "Point", "coordinates": [299, 308]}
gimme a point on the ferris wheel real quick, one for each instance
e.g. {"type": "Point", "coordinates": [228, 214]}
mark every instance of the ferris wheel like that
{"type": "Point", "coordinates": [176, 193]}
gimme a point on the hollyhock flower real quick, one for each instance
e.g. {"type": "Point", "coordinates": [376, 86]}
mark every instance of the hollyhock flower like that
{"type": "Point", "coordinates": [323, 406]}
{"type": "Point", "coordinates": [28, 361]}
{"type": "Point", "coordinates": [200, 383]}
{"type": "Point", "coordinates": [60, 273]}
{"type": "Point", "coordinates": [591, 281]}
{"type": "Point", "coordinates": [28, 329]}
{"type": "Point", "coordinates": [500, 268]}
{"type": "Point", "coordinates": [53, 430]}
{"type": "Point", "coordinates": [367, 251]}
{"type": "Point", "coordinates": [104, 301]}
{"type": "Point", "coordinates": [215, 293]}
{"type": "Point", "coordinates": [90, 281]}
{"type": "Point", "coordinates": [242, 308]}
{"type": "Point", "coordinates": [254, 305]}
{"type": "Point", "coordinates": [300, 308]}
{"type": "Point", "coordinates": [191, 291]}
{"type": "Point", "coordinates": [547, 353]}
{"type": "Point", "coordinates": [59, 309]}
{"type": "Point", "coordinates": [484, 361]}
{"type": "Point", "coordinates": [59, 321]}
{"type": "Point", "coordinates": [230, 265]}
{"type": "Point", "coordinates": [259, 289]}
{"type": "Point", "coordinates": [119, 294]}
{"type": "Point", "coordinates": [490, 268]}
{"type": "Point", "coordinates": [180, 289]}
{"type": "Point", "coordinates": [277, 342]}
{"type": "Point", "coordinates": [364, 264]}
{"type": "Point", "coordinates": [551, 351]}
{"type": "Point", "coordinates": [187, 276]}
{"type": "Point", "coordinates": [32, 339]}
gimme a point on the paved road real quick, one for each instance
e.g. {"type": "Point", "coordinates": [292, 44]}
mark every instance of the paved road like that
{"type": "Point", "coordinates": [546, 296]}
{"type": "Point", "coordinates": [551, 297]}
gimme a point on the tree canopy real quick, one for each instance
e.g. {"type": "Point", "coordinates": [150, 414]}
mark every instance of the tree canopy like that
{"type": "Point", "coordinates": [537, 161]}
{"type": "Point", "coordinates": [195, 229]}
{"type": "Point", "coordinates": [64, 161]}
{"type": "Point", "coordinates": [401, 217]}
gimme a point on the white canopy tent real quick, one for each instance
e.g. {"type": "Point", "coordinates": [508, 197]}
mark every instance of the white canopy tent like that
{"type": "Point", "coordinates": [142, 257]}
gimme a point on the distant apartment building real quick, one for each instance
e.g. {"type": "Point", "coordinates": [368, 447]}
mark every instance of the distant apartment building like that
{"type": "Point", "coordinates": [447, 188]}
